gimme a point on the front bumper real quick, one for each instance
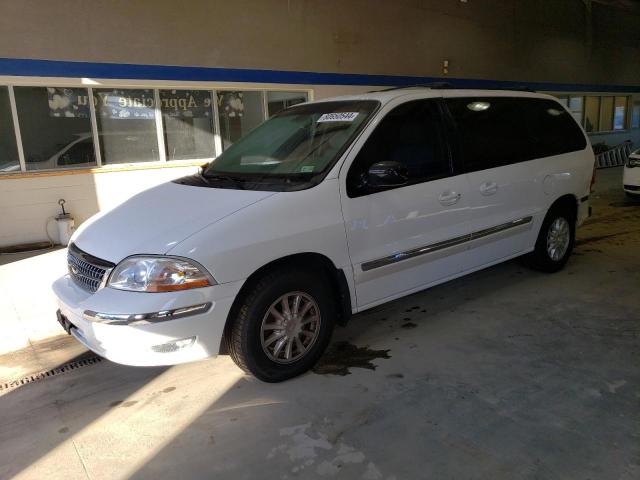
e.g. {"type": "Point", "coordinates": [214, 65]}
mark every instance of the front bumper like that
{"type": "Point", "coordinates": [133, 344]}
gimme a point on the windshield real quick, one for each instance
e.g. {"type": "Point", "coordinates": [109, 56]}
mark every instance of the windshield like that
{"type": "Point", "coordinates": [297, 144]}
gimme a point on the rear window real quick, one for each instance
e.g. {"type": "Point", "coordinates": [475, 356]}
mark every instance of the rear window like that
{"type": "Point", "coordinates": [496, 131]}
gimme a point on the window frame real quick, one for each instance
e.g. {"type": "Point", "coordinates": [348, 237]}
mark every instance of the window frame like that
{"type": "Point", "coordinates": [90, 85]}
{"type": "Point", "coordinates": [377, 120]}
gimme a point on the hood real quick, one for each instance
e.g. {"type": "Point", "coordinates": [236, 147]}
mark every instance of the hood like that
{"type": "Point", "coordinates": [156, 220]}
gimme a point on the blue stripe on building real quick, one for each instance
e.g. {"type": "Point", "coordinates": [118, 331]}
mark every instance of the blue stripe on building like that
{"type": "Point", "coordinates": [55, 68]}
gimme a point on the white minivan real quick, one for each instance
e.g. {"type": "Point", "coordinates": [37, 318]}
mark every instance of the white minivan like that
{"type": "Point", "coordinates": [326, 209]}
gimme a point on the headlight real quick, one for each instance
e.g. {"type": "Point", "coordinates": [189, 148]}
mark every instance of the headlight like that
{"type": "Point", "coordinates": [633, 162]}
{"type": "Point", "coordinates": [158, 274]}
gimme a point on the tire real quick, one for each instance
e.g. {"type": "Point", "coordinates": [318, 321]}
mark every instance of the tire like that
{"type": "Point", "coordinates": [559, 221]}
{"type": "Point", "coordinates": [632, 196]}
{"type": "Point", "coordinates": [245, 336]}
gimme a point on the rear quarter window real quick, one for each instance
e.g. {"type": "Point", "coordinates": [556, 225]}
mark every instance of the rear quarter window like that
{"type": "Point", "coordinates": [496, 131]}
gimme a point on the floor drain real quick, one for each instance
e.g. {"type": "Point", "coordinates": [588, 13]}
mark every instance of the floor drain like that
{"type": "Point", "coordinates": [35, 377]}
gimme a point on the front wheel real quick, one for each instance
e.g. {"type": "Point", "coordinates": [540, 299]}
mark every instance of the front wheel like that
{"type": "Point", "coordinates": [555, 241]}
{"type": "Point", "coordinates": [283, 323]}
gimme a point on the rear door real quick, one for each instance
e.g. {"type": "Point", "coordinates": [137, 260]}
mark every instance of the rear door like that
{"type": "Point", "coordinates": [504, 186]}
{"type": "Point", "coordinates": [403, 238]}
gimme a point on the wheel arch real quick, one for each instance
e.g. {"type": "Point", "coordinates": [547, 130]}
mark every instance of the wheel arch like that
{"type": "Point", "coordinates": [312, 261]}
{"type": "Point", "coordinates": [568, 201]}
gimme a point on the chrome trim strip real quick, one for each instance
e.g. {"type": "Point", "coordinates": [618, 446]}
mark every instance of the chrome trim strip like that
{"type": "Point", "coordinates": [500, 228]}
{"type": "Point", "coordinates": [398, 257]}
{"type": "Point", "coordinates": [145, 318]}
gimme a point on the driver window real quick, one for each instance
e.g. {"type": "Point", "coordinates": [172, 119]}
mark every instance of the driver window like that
{"type": "Point", "coordinates": [411, 134]}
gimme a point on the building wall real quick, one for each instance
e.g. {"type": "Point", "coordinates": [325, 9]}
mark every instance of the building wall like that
{"type": "Point", "coordinates": [542, 40]}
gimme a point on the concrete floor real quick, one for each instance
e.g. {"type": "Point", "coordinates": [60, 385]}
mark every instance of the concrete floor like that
{"type": "Point", "coordinates": [506, 373]}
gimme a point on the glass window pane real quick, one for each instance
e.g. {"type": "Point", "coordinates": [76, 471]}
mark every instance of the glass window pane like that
{"type": "Point", "coordinates": [606, 114]}
{"type": "Point", "coordinates": [411, 134]}
{"type": "Point", "coordinates": [619, 113]}
{"type": "Point", "coordinates": [564, 101]}
{"type": "Point", "coordinates": [126, 125]}
{"type": "Point", "coordinates": [277, 101]}
{"type": "Point", "coordinates": [52, 122]}
{"type": "Point", "coordinates": [591, 112]}
{"type": "Point", "coordinates": [296, 145]}
{"type": "Point", "coordinates": [576, 108]}
{"type": "Point", "coordinates": [239, 112]}
{"type": "Point", "coordinates": [492, 131]}
{"type": "Point", "coordinates": [575, 104]}
{"type": "Point", "coordinates": [187, 117]}
{"type": "Point", "coordinates": [552, 131]}
{"type": "Point", "coordinates": [635, 118]}
{"type": "Point", "coordinates": [8, 151]}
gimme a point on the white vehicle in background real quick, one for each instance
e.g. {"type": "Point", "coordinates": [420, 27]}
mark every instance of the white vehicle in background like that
{"type": "Point", "coordinates": [326, 209]}
{"type": "Point", "coordinates": [631, 175]}
{"type": "Point", "coordinates": [77, 153]}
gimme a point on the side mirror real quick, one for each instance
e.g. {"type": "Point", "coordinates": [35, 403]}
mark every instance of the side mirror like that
{"type": "Point", "coordinates": [387, 174]}
{"type": "Point", "coordinates": [202, 168]}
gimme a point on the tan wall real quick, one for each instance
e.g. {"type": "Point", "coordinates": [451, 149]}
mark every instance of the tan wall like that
{"type": "Point", "coordinates": [542, 40]}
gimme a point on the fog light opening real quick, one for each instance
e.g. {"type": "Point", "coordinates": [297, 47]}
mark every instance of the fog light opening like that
{"type": "Point", "coordinates": [174, 346]}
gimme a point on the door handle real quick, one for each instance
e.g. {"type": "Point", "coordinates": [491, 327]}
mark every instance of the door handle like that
{"type": "Point", "coordinates": [449, 198]}
{"type": "Point", "coordinates": [488, 188]}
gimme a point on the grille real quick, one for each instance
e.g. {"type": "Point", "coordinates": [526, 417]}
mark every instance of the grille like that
{"type": "Point", "coordinates": [87, 271]}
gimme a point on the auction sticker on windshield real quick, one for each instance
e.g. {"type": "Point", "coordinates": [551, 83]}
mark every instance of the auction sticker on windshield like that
{"type": "Point", "coordinates": [338, 117]}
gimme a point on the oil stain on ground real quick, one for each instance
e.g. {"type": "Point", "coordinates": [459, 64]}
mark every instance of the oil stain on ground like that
{"type": "Point", "coordinates": [342, 356]}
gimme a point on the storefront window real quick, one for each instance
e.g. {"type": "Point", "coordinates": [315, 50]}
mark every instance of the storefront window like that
{"type": "Point", "coordinates": [606, 114]}
{"type": "Point", "coordinates": [239, 113]}
{"type": "Point", "coordinates": [620, 113]}
{"type": "Point", "coordinates": [52, 122]}
{"type": "Point", "coordinates": [591, 113]}
{"type": "Point", "coordinates": [127, 125]}
{"type": "Point", "coordinates": [187, 117]}
{"type": "Point", "coordinates": [635, 115]}
{"type": "Point", "coordinates": [8, 151]}
{"type": "Point", "coordinates": [277, 101]}
{"type": "Point", "coordinates": [576, 107]}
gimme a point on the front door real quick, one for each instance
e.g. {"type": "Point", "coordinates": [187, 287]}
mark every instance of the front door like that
{"type": "Point", "coordinates": [403, 238]}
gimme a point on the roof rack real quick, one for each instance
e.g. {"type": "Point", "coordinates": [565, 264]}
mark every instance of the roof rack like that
{"type": "Point", "coordinates": [446, 85]}
{"type": "Point", "coordinates": [417, 85]}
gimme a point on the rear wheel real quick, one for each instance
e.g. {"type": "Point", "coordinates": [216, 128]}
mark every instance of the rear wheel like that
{"type": "Point", "coordinates": [632, 196]}
{"type": "Point", "coordinates": [283, 324]}
{"type": "Point", "coordinates": [555, 241]}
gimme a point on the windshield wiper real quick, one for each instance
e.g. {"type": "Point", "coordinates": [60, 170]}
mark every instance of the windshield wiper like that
{"type": "Point", "coordinates": [221, 176]}
{"type": "Point", "coordinates": [224, 177]}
